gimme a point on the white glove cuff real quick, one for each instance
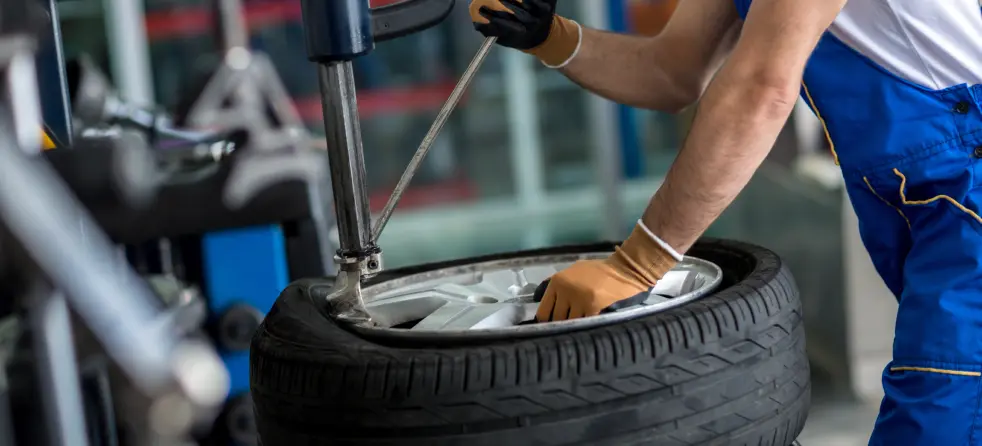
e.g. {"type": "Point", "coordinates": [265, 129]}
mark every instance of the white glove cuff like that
{"type": "Point", "coordinates": [668, 248]}
{"type": "Point", "coordinates": [579, 42]}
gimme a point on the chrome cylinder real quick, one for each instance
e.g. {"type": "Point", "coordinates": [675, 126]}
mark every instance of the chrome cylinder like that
{"type": "Point", "coordinates": [346, 158]}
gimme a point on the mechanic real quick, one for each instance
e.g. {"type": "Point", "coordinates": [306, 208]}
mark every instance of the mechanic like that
{"type": "Point", "coordinates": [895, 83]}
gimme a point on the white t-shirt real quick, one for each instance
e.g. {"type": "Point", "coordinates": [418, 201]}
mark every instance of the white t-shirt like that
{"type": "Point", "coordinates": [933, 43]}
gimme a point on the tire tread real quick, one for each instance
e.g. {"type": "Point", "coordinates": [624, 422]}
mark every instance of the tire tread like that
{"type": "Point", "coordinates": [696, 361]}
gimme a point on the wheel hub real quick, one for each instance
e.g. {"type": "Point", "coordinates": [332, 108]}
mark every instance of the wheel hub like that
{"type": "Point", "coordinates": [495, 298]}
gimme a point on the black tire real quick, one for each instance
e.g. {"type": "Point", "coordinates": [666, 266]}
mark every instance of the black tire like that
{"type": "Point", "coordinates": [729, 369]}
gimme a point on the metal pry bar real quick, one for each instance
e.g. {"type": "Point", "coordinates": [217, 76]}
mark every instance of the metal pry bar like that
{"type": "Point", "coordinates": [424, 146]}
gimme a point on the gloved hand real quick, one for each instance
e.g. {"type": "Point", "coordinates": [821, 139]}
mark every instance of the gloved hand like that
{"type": "Point", "coordinates": [528, 25]}
{"type": "Point", "coordinates": [588, 287]}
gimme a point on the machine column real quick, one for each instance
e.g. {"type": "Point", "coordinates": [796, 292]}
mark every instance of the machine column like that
{"type": "Point", "coordinates": [346, 157]}
{"type": "Point", "coordinates": [336, 32]}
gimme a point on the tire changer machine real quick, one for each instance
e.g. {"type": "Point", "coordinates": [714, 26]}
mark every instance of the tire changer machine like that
{"type": "Point", "coordinates": [100, 349]}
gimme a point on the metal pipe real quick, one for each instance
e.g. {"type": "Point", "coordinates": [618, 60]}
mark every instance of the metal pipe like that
{"type": "Point", "coordinates": [129, 50]}
{"type": "Point", "coordinates": [234, 33]}
{"type": "Point", "coordinates": [54, 349]}
{"type": "Point", "coordinates": [22, 90]}
{"type": "Point", "coordinates": [62, 239]}
{"type": "Point", "coordinates": [346, 156]}
{"type": "Point", "coordinates": [606, 141]}
{"type": "Point", "coordinates": [525, 135]}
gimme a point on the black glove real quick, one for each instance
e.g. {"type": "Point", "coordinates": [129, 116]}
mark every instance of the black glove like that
{"type": "Point", "coordinates": [519, 24]}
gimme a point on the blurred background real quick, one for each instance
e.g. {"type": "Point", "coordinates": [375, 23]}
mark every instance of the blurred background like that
{"type": "Point", "coordinates": [530, 160]}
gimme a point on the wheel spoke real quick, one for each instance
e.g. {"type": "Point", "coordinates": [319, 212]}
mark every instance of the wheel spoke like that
{"type": "Point", "coordinates": [500, 296]}
{"type": "Point", "coordinates": [459, 316]}
{"type": "Point", "coordinates": [674, 283]}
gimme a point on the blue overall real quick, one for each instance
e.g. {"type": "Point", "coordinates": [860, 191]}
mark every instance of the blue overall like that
{"type": "Point", "coordinates": [912, 162]}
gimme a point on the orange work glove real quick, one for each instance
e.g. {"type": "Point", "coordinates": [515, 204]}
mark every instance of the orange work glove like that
{"type": "Point", "coordinates": [531, 26]}
{"type": "Point", "coordinates": [588, 287]}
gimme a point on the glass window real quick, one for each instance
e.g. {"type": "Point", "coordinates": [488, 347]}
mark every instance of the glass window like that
{"type": "Point", "coordinates": [516, 165]}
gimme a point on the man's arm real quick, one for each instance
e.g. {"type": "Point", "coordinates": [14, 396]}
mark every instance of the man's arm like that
{"type": "Point", "coordinates": [667, 72]}
{"type": "Point", "coordinates": [739, 117]}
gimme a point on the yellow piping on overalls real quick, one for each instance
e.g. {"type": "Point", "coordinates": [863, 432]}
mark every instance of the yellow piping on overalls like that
{"type": "Point", "coordinates": [825, 127]}
{"type": "Point", "coordinates": [870, 186]}
{"type": "Point", "coordinates": [904, 200]}
{"type": "Point", "coordinates": [934, 370]}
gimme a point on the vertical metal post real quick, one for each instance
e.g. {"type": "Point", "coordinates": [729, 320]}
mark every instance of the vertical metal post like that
{"type": "Point", "coordinates": [22, 90]}
{"type": "Point", "coordinates": [126, 34]}
{"type": "Point", "coordinates": [524, 131]}
{"type": "Point", "coordinates": [606, 140]}
{"type": "Point", "coordinates": [347, 160]}
{"type": "Point", "coordinates": [58, 380]}
{"type": "Point", "coordinates": [632, 157]}
{"type": "Point", "coordinates": [335, 33]}
{"type": "Point", "coordinates": [235, 33]}
{"type": "Point", "coordinates": [129, 49]}
{"type": "Point", "coordinates": [525, 140]}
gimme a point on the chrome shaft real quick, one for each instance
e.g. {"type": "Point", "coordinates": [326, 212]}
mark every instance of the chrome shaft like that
{"type": "Point", "coordinates": [346, 156]}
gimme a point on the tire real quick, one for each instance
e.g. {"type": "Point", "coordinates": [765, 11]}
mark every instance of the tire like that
{"type": "Point", "coordinates": [728, 369]}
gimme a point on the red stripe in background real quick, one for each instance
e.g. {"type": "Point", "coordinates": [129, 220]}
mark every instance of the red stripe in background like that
{"type": "Point", "coordinates": [190, 21]}
{"type": "Point", "coordinates": [372, 103]}
{"type": "Point", "coordinates": [454, 190]}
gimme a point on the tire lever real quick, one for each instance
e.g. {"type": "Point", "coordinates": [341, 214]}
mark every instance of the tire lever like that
{"type": "Point", "coordinates": [431, 134]}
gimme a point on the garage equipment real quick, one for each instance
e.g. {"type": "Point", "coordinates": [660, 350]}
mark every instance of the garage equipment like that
{"type": "Point", "coordinates": [336, 33]}
{"type": "Point", "coordinates": [53, 256]}
{"type": "Point", "coordinates": [244, 267]}
{"type": "Point", "coordinates": [95, 104]}
{"type": "Point", "coordinates": [240, 200]}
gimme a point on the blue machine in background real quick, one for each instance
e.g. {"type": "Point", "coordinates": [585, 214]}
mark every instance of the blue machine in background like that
{"type": "Point", "coordinates": [244, 271]}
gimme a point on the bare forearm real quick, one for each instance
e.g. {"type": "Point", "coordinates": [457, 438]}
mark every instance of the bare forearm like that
{"type": "Point", "coordinates": [739, 117]}
{"type": "Point", "coordinates": [667, 72]}
{"type": "Point", "coordinates": [735, 127]}
{"type": "Point", "coordinates": [626, 69]}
